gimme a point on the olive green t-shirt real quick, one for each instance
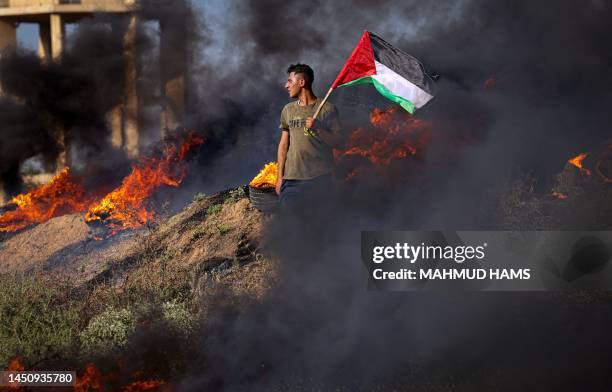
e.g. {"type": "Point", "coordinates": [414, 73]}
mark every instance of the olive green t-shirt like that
{"type": "Point", "coordinates": [308, 156]}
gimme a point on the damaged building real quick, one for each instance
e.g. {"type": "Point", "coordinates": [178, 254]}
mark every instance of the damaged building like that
{"type": "Point", "coordinates": [125, 120]}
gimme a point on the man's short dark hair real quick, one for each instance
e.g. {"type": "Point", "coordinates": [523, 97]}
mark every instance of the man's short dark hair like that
{"type": "Point", "coordinates": [304, 70]}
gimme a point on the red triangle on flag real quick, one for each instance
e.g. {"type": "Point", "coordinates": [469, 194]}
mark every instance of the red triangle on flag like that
{"type": "Point", "coordinates": [359, 64]}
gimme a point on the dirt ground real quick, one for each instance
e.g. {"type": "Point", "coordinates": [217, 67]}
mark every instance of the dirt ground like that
{"type": "Point", "coordinates": [216, 233]}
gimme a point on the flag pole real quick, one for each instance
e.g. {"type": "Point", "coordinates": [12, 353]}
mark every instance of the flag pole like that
{"type": "Point", "coordinates": [316, 113]}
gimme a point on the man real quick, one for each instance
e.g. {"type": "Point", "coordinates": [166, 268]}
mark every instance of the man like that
{"type": "Point", "coordinates": [305, 159]}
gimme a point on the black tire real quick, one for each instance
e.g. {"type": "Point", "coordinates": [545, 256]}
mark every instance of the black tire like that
{"type": "Point", "coordinates": [265, 200]}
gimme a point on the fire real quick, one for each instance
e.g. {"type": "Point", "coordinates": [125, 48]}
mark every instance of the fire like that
{"type": "Point", "coordinates": [62, 195]}
{"type": "Point", "coordinates": [149, 385]}
{"type": "Point", "coordinates": [123, 208]}
{"type": "Point", "coordinates": [559, 195]}
{"type": "Point", "coordinates": [15, 365]}
{"type": "Point", "coordinates": [90, 380]}
{"type": "Point", "coordinates": [396, 136]}
{"type": "Point", "coordinates": [577, 161]}
{"type": "Point", "coordinates": [126, 206]}
{"type": "Point", "coordinates": [93, 380]}
{"type": "Point", "coordinates": [266, 177]}
{"type": "Point", "coordinates": [383, 118]}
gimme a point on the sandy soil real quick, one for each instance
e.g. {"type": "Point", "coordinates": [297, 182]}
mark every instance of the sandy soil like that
{"type": "Point", "coordinates": [217, 233]}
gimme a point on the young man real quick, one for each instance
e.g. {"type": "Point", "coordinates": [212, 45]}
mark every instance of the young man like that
{"type": "Point", "coordinates": [305, 159]}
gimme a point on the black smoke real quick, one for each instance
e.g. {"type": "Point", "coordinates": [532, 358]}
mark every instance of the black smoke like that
{"type": "Point", "coordinates": [53, 104]}
{"type": "Point", "coordinates": [547, 102]}
{"type": "Point", "coordinates": [65, 104]}
{"type": "Point", "coordinates": [548, 65]}
{"type": "Point", "coordinates": [319, 328]}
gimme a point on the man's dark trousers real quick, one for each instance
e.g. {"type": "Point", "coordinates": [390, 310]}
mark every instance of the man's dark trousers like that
{"type": "Point", "coordinates": [293, 191]}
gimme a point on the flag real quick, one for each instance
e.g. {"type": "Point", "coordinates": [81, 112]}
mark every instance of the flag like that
{"type": "Point", "coordinates": [394, 73]}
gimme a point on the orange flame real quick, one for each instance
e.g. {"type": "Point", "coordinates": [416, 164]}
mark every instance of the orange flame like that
{"type": "Point", "coordinates": [266, 177]}
{"type": "Point", "coordinates": [62, 195]}
{"type": "Point", "coordinates": [126, 207]}
{"type": "Point", "coordinates": [93, 380]}
{"type": "Point", "coordinates": [577, 161]}
{"type": "Point", "coordinates": [15, 365]}
{"type": "Point", "coordinates": [559, 195]}
{"type": "Point", "coordinates": [90, 380]}
{"type": "Point", "coordinates": [397, 136]}
{"type": "Point", "coordinates": [148, 385]}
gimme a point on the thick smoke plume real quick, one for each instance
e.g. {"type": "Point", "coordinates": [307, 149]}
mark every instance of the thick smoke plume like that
{"type": "Point", "coordinates": [49, 105]}
{"type": "Point", "coordinates": [523, 87]}
{"type": "Point", "coordinates": [52, 106]}
{"type": "Point", "coordinates": [514, 78]}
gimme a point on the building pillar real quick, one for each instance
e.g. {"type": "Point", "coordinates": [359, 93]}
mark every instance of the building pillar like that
{"type": "Point", "coordinates": [3, 196]}
{"type": "Point", "coordinates": [8, 34]}
{"type": "Point", "coordinates": [116, 117]}
{"type": "Point", "coordinates": [63, 159]}
{"type": "Point", "coordinates": [44, 41]}
{"type": "Point", "coordinates": [130, 111]}
{"type": "Point", "coordinates": [57, 36]}
{"type": "Point", "coordinates": [8, 39]}
{"type": "Point", "coordinates": [174, 105]}
{"type": "Point", "coordinates": [57, 33]}
{"type": "Point", "coordinates": [174, 59]}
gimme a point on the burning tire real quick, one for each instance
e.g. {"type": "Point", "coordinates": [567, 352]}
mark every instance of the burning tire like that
{"type": "Point", "coordinates": [263, 199]}
{"type": "Point", "coordinates": [262, 191]}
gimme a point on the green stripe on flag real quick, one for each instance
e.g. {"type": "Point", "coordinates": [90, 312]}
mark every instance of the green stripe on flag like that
{"type": "Point", "coordinates": [403, 102]}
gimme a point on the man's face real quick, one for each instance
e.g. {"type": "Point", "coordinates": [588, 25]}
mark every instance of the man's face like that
{"type": "Point", "coordinates": [294, 84]}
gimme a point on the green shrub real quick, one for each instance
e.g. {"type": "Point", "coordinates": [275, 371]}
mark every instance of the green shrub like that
{"type": "Point", "coordinates": [177, 315]}
{"type": "Point", "coordinates": [37, 319]}
{"type": "Point", "coordinates": [235, 195]}
{"type": "Point", "coordinates": [153, 284]}
{"type": "Point", "coordinates": [222, 229]}
{"type": "Point", "coordinates": [108, 331]}
{"type": "Point", "coordinates": [215, 208]}
{"type": "Point", "coordinates": [199, 197]}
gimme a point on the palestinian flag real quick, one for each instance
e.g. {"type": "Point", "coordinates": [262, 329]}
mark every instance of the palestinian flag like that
{"type": "Point", "coordinates": [396, 75]}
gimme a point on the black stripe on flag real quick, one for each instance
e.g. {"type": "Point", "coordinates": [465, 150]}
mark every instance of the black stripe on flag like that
{"type": "Point", "coordinates": [401, 62]}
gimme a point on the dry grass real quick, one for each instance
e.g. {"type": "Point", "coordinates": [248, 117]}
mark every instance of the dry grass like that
{"type": "Point", "coordinates": [521, 208]}
{"type": "Point", "coordinates": [584, 203]}
{"type": "Point", "coordinates": [162, 275]}
{"type": "Point", "coordinates": [40, 318]}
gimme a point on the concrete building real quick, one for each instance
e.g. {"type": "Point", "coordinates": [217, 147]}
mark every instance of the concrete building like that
{"type": "Point", "coordinates": [52, 17]}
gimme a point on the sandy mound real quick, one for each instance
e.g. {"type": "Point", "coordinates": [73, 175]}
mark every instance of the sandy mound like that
{"type": "Point", "coordinates": [218, 232]}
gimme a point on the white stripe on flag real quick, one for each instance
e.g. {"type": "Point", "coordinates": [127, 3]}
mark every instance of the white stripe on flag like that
{"type": "Point", "coordinates": [398, 85]}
